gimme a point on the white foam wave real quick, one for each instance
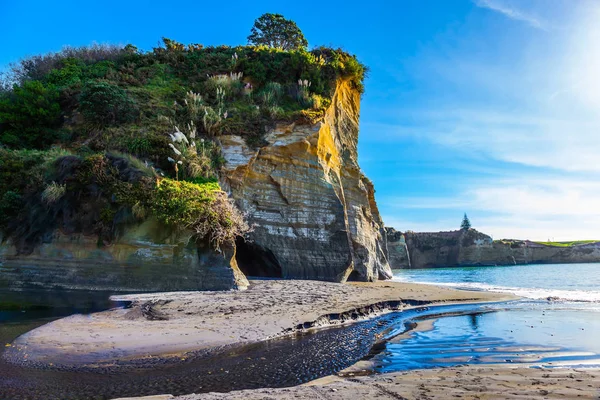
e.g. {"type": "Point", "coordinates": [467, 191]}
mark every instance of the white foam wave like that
{"type": "Point", "coordinates": [531, 293]}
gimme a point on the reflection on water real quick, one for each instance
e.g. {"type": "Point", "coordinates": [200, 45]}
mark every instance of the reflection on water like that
{"type": "Point", "coordinates": [477, 333]}
{"type": "Point", "coordinates": [562, 315]}
{"type": "Point", "coordinates": [28, 305]}
{"type": "Point", "coordinates": [533, 332]}
{"type": "Point", "coordinates": [275, 363]}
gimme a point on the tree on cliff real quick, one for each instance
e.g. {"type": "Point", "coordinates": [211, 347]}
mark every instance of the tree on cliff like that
{"type": "Point", "coordinates": [465, 224]}
{"type": "Point", "coordinates": [274, 30]}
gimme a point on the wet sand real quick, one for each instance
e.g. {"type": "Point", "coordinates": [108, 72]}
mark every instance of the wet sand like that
{"type": "Point", "coordinates": [169, 324]}
{"type": "Point", "coordinates": [478, 382]}
{"type": "Point", "coordinates": [172, 323]}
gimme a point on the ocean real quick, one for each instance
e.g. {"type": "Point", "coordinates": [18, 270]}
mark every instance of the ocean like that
{"type": "Point", "coordinates": [555, 324]}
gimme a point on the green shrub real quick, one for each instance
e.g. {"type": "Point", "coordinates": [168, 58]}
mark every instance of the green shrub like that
{"type": "Point", "coordinates": [138, 145]}
{"type": "Point", "coordinates": [20, 169]}
{"type": "Point", "coordinates": [180, 203]}
{"type": "Point", "coordinates": [100, 69]}
{"type": "Point", "coordinates": [230, 84]}
{"type": "Point", "coordinates": [271, 94]}
{"type": "Point", "coordinates": [37, 67]}
{"type": "Point", "coordinates": [202, 208]}
{"type": "Point", "coordinates": [11, 203]}
{"type": "Point", "coordinates": [103, 103]}
{"type": "Point", "coordinates": [134, 163]}
{"type": "Point", "coordinates": [30, 115]}
{"type": "Point", "coordinates": [23, 176]}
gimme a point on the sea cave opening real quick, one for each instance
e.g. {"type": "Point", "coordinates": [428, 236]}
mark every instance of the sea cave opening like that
{"type": "Point", "coordinates": [354, 276]}
{"type": "Point", "coordinates": [257, 261]}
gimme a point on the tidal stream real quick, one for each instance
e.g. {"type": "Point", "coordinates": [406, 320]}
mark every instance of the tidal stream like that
{"type": "Point", "coordinates": [275, 363]}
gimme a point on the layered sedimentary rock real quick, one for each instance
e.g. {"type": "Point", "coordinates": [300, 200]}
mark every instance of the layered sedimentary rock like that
{"type": "Point", "coordinates": [146, 257]}
{"type": "Point", "coordinates": [313, 210]}
{"type": "Point", "coordinates": [397, 249]}
{"type": "Point", "coordinates": [470, 247]}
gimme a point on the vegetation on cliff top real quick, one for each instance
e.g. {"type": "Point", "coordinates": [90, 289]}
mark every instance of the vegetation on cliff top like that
{"type": "Point", "coordinates": [94, 138]}
{"type": "Point", "coordinates": [273, 30]}
{"type": "Point", "coordinates": [514, 243]}
{"type": "Point", "coordinates": [568, 244]}
{"type": "Point", "coordinates": [465, 225]}
{"type": "Point", "coordinates": [103, 97]}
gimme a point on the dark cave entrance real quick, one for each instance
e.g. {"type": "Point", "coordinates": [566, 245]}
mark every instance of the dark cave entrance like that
{"type": "Point", "coordinates": [354, 277]}
{"type": "Point", "coordinates": [256, 261]}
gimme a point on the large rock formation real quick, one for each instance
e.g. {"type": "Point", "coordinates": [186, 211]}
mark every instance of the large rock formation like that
{"type": "Point", "coordinates": [397, 249]}
{"type": "Point", "coordinates": [470, 247]}
{"type": "Point", "coordinates": [313, 209]}
{"type": "Point", "coordinates": [146, 257]}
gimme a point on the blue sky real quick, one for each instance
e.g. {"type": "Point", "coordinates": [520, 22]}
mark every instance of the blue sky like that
{"type": "Point", "coordinates": [489, 107]}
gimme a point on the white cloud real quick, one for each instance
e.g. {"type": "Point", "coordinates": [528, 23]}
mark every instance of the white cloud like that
{"type": "Point", "coordinates": [523, 113]}
{"type": "Point", "coordinates": [545, 141]}
{"type": "Point", "coordinates": [524, 208]}
{"type": "Point", "coordinates": [559, 142]}
{"type": "Point", "coordinates": [540, 109]}
{"type": "Point", "coordinates": [511, 12]}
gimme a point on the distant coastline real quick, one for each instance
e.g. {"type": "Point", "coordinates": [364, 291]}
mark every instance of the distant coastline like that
{"type": "Point", "coordinates": [473, 248]}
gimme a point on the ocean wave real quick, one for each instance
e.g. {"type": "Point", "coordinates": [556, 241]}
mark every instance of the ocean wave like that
{"type": "Point", "coordinates": [530, 293]}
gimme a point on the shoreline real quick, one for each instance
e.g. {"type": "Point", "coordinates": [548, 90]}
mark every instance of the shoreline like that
{"type": "Point", "coordinates": [480, 381]}
{"type": "Point", "coordinates": [302, 300]}
{"type": "Point", "coordinates": [465, 382]}
{"type": "Point", "coordinates": [163, 326]}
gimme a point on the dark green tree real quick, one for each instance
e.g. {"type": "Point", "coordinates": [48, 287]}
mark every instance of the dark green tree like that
{"type": "Point", "coordinates": [104, 103]}
{"type": "Point", "coordinates": [29, 115]}
{"type": "Point", "coordinates": [274, 30]}
{"type": "Point", "coordinates": [465, 224]}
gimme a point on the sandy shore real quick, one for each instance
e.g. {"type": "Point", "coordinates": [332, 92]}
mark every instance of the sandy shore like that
{"type": "Point", "coordinates": [166, 324]}
{"type": "Point", "coordinates": [497, 382]}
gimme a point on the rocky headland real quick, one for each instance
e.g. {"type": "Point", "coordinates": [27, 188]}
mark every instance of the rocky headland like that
{"type": "Point", "coordinates": [314, 211]}
{"type": "Point", "coordinates": [473, 248]}
{"type": "Point", "coordinates": [294, 175]}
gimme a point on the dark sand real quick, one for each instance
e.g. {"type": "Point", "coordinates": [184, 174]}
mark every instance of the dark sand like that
{"type": "Point", "coordinates": [489, 382]}
{"type": "Point", "coordinates": [191, 321]}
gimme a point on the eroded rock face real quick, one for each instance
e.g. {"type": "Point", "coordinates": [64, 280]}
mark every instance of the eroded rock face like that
{"type": "Point", "coordinates": [397, 249]}
{"type": "Point", "coordinates": [463, 248]}
{"type": "Point", "coordinates": [313, 209]}
{"type": "Point", "coordinates": [146, 257]}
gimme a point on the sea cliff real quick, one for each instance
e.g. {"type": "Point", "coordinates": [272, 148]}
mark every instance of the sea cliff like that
{"type": "Point", "coordinates": [313, 209]}
{"type": "Point", "coordinates": [121, 199]}
{"type": "Point", "coordinates": [146, 257]}
{"type": "Point", "coordinates": [470, 247]}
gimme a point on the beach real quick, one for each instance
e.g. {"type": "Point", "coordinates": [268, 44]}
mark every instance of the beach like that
{"type": "Point", "coordinates": [168, 328]}
{"type": "Point", "coordinates": [497, 382]}
{"type": "Point", "coordinates": [170, 324]}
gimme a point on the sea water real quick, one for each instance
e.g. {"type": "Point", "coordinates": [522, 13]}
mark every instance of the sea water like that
{"type": "Point", "coordinates": [556, 323]}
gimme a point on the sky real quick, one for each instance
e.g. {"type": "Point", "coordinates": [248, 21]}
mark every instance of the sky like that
{"type": "Point", "coordinates": [484, 107]}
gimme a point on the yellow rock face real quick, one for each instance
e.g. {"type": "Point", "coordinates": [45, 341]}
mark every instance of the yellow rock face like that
{"type": "Point", "coordinates": [314, 211]}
